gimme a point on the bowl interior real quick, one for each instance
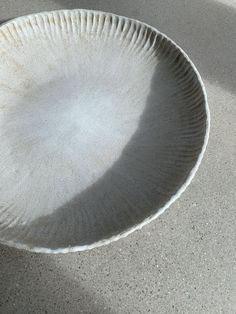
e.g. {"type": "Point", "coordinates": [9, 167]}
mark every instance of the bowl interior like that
{"type": "Point", "coordinates": [102, 120]}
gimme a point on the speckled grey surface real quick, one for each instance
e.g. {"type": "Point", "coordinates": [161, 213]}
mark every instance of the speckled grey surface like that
{"type": "Point", "coordinates": [184, 262]}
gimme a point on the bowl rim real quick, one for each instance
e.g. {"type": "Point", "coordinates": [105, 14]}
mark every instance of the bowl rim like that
{"type": "Point", "coordinates": [159, 211]}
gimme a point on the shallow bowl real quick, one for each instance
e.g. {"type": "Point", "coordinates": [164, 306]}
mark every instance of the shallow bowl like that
{"type": "Point", "coordinates": [103, 124]}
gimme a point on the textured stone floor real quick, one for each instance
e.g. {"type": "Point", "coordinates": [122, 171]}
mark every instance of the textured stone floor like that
{"type": "Point", "coordinates": [185, 261]}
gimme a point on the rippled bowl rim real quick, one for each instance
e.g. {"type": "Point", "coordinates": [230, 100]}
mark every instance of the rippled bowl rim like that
{"type": "Point", "coordinates": [161, 210]}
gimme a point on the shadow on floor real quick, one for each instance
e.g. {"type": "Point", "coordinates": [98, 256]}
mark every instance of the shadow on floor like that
{"type": "Point", "coordinates": [4, 21]}
{"type": "Point", "coordinates": [30, 283]}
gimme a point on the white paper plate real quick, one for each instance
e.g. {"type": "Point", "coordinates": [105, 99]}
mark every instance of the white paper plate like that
{"type": "Point", "coordinates": [103, 124]}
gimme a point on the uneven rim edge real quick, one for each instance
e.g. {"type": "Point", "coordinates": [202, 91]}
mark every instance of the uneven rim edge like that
{"type": "Point", "coordinates": [161, 210]}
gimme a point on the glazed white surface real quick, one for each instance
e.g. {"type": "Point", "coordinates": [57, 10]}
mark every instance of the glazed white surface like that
{"type": "Point", "coordinates": [75, 86]}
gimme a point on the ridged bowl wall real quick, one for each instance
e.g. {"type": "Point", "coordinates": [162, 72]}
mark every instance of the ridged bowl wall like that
{"type": "Point", "coordinates": [103, 124]}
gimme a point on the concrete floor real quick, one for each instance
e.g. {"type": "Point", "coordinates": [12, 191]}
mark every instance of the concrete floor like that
{"type": "Point", "coordinates": [184, 262]}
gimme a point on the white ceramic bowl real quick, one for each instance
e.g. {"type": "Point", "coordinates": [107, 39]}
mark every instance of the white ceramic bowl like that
{"type": "Point", "coordinates": [103, 124]}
